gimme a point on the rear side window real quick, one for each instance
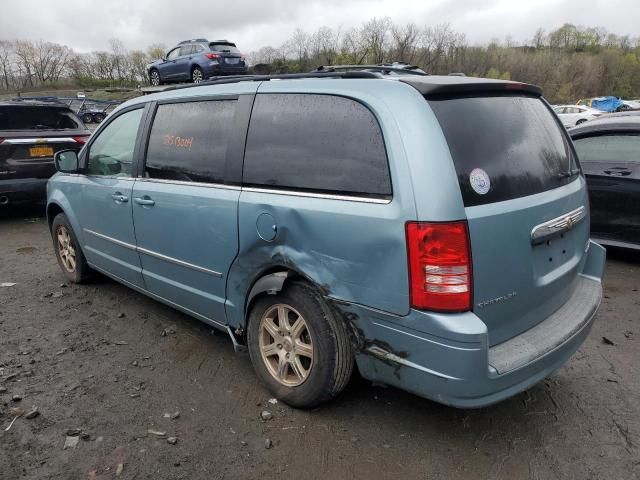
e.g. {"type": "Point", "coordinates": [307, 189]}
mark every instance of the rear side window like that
{"type": "Point", "coordinates": [188, 141]}
{"type": "Point", "coordinates": [315, 142]}
{"type": "Point", "coordinates": [609, 148]}
{"type": "Point", "coordinates": [37, 118]}
{"type": "Point", "coordinates": [503, 147]}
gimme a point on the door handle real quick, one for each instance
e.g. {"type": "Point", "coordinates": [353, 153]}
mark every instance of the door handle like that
{"type": "Point", "coordinates": [145, 201]}
{"type": "Point", "coordinates": [119, 198]}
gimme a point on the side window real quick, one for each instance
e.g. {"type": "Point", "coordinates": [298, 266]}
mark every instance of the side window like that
{"type": "Point", "coordinates": [188, 141]}
{"type": "Point", "coordinates": [186, 50]}
{"type": "Point", "coordinates": [173, 54]}
{"type": "Point", "coordinates": [315, 142]}
{"type": "Point", "coordinates": [111, 153]}
{"type": "Point", "coordinates": [609, 148]}
{"type": "Point", "coordinates": [198, 49]}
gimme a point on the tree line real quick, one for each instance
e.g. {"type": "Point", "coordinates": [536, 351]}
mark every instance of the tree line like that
{"type": "Point", "coordinates": [569, 63]}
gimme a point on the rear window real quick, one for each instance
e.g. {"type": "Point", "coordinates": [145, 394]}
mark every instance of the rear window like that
{"type": "Point", "coordinates": [223, 47]}
{"type": "Point", "coordinates": [503, 147]}
{"type": "Point", "coordinates": [609, 148]}
{"type": "Point", "coordinates": [318, 143]}
{"type": "Point", "coordinates": [23, 117]}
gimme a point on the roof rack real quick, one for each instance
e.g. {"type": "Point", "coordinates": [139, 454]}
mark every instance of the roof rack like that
{"type": "Point", "coordinates": [193, 40]}
{"type": "Point", "coordinates": [370, 68]}
{"type": "Point", "coordinates": [286, 76]}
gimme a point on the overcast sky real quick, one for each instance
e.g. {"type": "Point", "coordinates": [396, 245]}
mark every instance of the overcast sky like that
{"type": "Point", "coordinates": [87, 25]}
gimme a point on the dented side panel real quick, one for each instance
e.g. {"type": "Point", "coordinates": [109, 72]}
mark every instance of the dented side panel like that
{"type": "Point", "coordinates": [355, 251]}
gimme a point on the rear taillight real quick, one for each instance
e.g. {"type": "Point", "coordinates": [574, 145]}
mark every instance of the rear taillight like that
{"type": "Point", "coordinates": [212, 56]}
{"type": "Point", "coordinates": [81, 140]}
{"type": "Point", "coordinates": [439, 266]}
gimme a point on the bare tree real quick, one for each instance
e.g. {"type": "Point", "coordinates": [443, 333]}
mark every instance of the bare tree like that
{"type": "Point", "coordinates": [6, 54]}
{"type": "Point", "coordinates": [376, 33]}
{"type": "Point", "coordinates": [404, 42]}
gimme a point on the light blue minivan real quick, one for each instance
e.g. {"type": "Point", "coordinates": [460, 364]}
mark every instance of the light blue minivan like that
{"type": "Point", "coordinates": [431, 230]}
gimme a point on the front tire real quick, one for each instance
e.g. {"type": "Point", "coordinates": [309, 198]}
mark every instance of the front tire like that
{"type": "Point", "coordinates": [196, 75]}
{"type": "Point", "coordinates": [87, 118]}
{"type": "Point", "coordinates": [68, 252]}
{"type": "Point", "coordinates": [299, 348]}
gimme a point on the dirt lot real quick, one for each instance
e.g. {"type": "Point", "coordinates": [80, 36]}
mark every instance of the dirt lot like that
{"type": "Point", "coordinates": [94, 358]}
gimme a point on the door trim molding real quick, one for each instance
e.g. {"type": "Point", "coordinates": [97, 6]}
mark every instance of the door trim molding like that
{"type": "Point", "coordinates": [182, 263]}
{"type": "Point", "coordinates": [110, 239]}
{"type": "Point", "coordinates": [151, 253]}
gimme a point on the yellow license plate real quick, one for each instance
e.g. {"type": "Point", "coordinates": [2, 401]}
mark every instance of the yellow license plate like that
{"type": "Point", "coordinates": [41, 151]}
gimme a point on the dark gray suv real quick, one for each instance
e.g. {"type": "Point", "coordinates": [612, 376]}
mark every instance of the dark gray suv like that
{"type": "Point", "coordinates": [31, 132]}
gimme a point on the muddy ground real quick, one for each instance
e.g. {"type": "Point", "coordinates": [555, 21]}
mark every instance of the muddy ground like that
{"type": "Point", "coordinates": [94, 358]}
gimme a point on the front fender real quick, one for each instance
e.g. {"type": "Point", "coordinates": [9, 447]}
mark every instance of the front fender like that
{"type": "Point", "coordinates": [56, 196]}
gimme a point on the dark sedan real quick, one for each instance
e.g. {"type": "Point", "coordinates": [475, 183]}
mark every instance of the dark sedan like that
{"type": "Point", "coordinates": [609, 151]}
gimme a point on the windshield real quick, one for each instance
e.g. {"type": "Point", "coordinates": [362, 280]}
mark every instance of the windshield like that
{"type": "Point", "coordinates": [504, 147]}
{"type": "Point", "coordinates": [29, 117]}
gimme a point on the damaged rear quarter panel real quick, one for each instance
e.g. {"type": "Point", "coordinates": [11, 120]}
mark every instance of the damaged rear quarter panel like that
{"type": "Point", "coordinates": [354, 251]}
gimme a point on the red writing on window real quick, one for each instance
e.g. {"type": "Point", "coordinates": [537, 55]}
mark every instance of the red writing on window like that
{"type": "Point", "coordinates": [176, 141]}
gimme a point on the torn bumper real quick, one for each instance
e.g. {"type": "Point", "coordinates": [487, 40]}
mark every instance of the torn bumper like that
{"type": "Point", "coordinates": [447, 358]}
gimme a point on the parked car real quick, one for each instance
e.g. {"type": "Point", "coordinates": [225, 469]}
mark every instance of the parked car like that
{"type": "Point", "coordinates": [31, 132]}
{"type": "Point", "coordinates": [197, 60]}
{"type": "Point", "coordinates": [572, 115]}
{"type": "Point", "coordinates": [92, 115]}
{"type": "Point", "coordinates": [609, 152]}
{"type": "Point", "coordinates": [433, 230]}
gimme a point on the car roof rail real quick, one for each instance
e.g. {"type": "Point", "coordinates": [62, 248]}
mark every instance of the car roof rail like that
{"type": "Point", "coordinates": [375, 68]}
{"type": "Point", "coordinates": [193, 40]}
{"type": "Point", "coordinates": [285, 76]}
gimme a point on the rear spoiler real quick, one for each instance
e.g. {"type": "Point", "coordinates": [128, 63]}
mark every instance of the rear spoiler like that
{"type": "Point", "coordinates": [470, 86]}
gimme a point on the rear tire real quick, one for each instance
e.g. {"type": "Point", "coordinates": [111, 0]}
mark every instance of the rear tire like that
{"type": "Point", "coordinates": [196, 75]}
{"type": "Point", "coordinates": [320, 349]}
{"type": "Point", "coordinates": [87, 118]}
{"type": "Point", "coordinates": [581, 121]}
{"type": "Point", "coordinates": [68, 252]}
{"type": "Point", "coordinates": [98, 117]}
{"type": "Point", "coordinates": [154, 78]}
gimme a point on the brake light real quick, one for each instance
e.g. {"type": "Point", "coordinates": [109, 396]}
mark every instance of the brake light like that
{"type": "Point", "coordinates": [439, 266]}
{"type": "Point", "coordinates": [212, 56]}
{"type": "Point", "coordinates": [81, 140]}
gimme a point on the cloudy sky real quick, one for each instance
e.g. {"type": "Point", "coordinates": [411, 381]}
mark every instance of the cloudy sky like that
{"type": "Point", "coordinates": [89, 24]}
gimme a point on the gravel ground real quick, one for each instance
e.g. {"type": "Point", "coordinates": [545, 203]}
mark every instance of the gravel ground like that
{"type": "Point", "coordinates": [108, 370]}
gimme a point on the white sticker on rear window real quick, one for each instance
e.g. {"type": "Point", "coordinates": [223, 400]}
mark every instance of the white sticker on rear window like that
{"type": "Point", "coordinates": [479, 181]}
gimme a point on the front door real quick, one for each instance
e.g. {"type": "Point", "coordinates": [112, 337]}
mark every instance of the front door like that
{"type": "Point", "coordinates": [611, 164]}
{"type": "Point", "coordinates": [104, 203]}
{"type": "Point", "coordinates": [185, 216]}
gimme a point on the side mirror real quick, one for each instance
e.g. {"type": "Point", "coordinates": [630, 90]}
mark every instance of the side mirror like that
{"type": "Point", "coordinates": [66, 161]}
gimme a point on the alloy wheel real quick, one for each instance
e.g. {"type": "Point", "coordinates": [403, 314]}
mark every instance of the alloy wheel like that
{"type": "Point", "coordinates": [155, 78]}
{"type": "Point", "coordinates": [197, 76]}
{"type": "Point", "coordinates": [66, 249]}
{"type": "Point", "coordinates": [285, 345]}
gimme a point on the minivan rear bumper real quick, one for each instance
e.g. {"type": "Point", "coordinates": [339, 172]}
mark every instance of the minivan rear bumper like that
{"type": "Point", "coordinates": [447, 358]}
